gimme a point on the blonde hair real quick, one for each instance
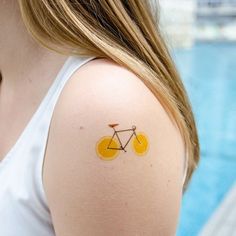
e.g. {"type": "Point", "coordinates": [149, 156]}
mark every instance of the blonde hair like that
{"type": "Point", "coordinates": [126, 31]}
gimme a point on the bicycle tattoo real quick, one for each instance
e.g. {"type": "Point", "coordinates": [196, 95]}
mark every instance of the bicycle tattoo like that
{"type": "Point", "coordinates": [108, 147]}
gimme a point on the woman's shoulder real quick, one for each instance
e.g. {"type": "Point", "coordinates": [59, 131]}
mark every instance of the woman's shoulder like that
{"type": "Point", "coordinates": [112, 154]}
{"type": "Point", "coordinates": [104, 83]}
{"type": "Point", "coordinates": [106, 89]}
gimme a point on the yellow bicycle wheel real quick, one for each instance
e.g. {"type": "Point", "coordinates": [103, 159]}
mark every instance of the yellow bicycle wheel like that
{"type": "Point", "coordinates": [141, 145]}
{"type": "Point", "coordinates": [103, 152]}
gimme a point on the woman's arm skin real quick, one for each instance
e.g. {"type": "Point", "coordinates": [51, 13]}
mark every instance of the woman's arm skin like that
{"type": "Point", "coordinates": [129, 195]}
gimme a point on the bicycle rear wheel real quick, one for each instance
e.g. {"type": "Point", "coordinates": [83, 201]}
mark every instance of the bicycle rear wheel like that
{"type": "Point", "coordinates": [103, 151]}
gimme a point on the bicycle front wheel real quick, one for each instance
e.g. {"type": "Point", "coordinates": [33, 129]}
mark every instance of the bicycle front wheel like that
{"type": "Point", "coordinates": [103, 151]}
{"type": "Point", "coordinates": [140, 144]}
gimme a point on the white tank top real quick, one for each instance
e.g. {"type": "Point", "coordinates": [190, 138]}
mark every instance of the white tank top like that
{"type": "Point", "coordinates": [24, 209]}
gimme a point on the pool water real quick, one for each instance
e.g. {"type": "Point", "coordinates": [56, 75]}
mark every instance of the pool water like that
{"type": "Point", "coordinates": [209, 74]}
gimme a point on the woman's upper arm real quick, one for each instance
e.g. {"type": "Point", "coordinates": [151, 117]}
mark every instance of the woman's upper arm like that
{"type": "Point", "coordinates": [94, 190]}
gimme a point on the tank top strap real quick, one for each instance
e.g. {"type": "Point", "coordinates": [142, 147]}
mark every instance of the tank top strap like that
{"type": "Point", "coordinates": [23, 201]}
{"type": "Point", "coordinates": [46, 105]}
{"type": "Point", "coordinates": [42, 127]}
{"type": "Point", "coordinates": [71, 65]}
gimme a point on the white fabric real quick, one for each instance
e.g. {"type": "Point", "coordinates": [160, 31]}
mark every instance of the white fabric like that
{"type": "Point", "coordinates": [24, 209]}
{"type": "Point", "coordinates": [23, 205]}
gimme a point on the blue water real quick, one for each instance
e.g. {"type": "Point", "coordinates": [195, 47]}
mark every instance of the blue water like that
{"type": "Point", "coordinates": [209, 74]}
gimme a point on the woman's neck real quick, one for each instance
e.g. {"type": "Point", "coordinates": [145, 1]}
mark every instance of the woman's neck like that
{"type": "Point", "coordinates": [22, 59]}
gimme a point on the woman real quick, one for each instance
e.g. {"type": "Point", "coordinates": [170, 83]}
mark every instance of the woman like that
{"type": "Point", "coordinates": [98, 76]}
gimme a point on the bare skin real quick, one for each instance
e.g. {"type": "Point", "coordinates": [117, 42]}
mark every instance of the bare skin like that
{"type": "Point", "coordinates": [27, 70]}
{"type": "Point", "coordinates": [90, 189]}
{"type": "Point", "coordinates": [130, 195]}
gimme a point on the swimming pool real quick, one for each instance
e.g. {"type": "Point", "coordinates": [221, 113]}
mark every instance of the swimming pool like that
{"type": "Point", "coordinates": [209, 74]}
